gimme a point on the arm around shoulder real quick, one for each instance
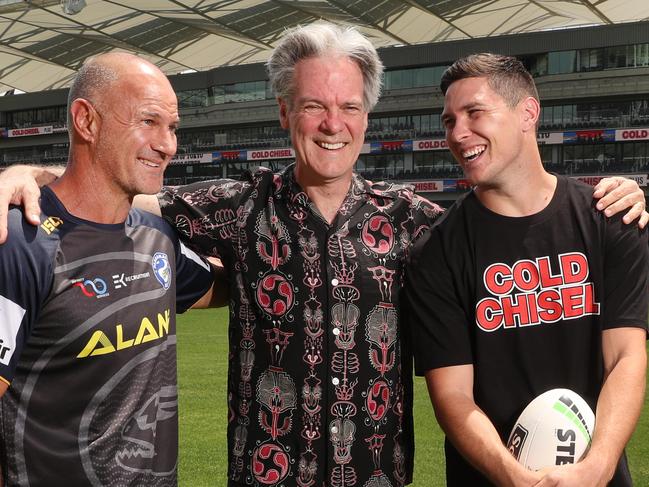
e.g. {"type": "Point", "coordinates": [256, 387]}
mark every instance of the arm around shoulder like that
{"type": "Point", "coordinates": [20, 185]}
{"type": "Point", "coordinates": [218, 295]}
{"type": "Point", "coordinates": [147, 202]}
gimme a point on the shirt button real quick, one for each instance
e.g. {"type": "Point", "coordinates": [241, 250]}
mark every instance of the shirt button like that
{"type": "Point", "coordinates": [335, 381]}
{"type": "Point", "coordinates": [334, 282]}
{"type": "Point", "coordinates": [334, 429]}
{"type": "Point", "coordinates": [336, 331]}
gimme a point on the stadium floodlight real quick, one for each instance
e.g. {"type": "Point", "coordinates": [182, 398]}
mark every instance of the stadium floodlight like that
{"type": "Point", "coordinates": [72, 7]}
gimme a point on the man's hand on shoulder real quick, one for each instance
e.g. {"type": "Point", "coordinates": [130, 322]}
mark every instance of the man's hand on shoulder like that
{"type": "Point", "coordinates": [616, 194]}
{"type": "Point", "coordinates": [20, 185]}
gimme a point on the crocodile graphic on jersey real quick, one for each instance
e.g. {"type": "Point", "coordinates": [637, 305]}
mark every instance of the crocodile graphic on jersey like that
{"type": "Point", "coordinates": [140, 431]}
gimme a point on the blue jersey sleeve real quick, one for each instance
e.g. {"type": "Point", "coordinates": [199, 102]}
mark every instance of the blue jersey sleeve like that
{"type": "Point", "coordinates": [193, 273]}
{"type": "Point", "coordinates": [25, 281]}
{"type": "Point", "coordinates": [193, 277]}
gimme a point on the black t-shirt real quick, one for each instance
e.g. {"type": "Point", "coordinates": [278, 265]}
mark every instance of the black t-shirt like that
{"type": "Point", "coordinates": [89, 348]}
{"type": "Point", "coordinates": [525, 301]}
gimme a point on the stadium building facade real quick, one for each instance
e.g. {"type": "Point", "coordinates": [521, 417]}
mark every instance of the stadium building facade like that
{"type": "Point", "coordinates": [593, 83]}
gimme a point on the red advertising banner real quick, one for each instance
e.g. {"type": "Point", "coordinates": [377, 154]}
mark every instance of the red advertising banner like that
{"type": "Point", "coordinates": [428, 144]}
{"type": "Point", "coordinates": [428, 186]}
{"type": "Point", "coordinates": [632, 134]}
{"type": "Point", "coordinates": [29, 131]}
{"type": "Point", "coordinates": [265, 154]}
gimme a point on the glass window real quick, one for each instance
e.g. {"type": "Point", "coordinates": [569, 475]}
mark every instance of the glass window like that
{"type": "Point", "coordinates": [561, 62]}
{"type": "Point", "coordinates": [438, 71]}
{"type": "Point", "coordinates": [616, 57]}
{"type": "Point", "coordinates": [192, 98]}
{"type": "Point", "coordinates": [538, 65]}
{"type": "Point", "coordinates": [641, 55]}
{"type": "Point", "coordinates": [424, 77]}
{"type": "Point", "coordinates": [217, 95]}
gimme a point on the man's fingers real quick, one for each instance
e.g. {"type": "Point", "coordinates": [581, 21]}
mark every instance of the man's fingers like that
{"type": "Point", "coordinates": [610, 197]}
{"type": "Point", "coordinates": [621, 199]}
{"type": "Point", "coordinates": [604, 186]}
{"type": "Point", "coordinates": [32, 212]}
{"type": "Point", "coordinates": [644, 219]}
{"type": "Point", "coordinates": [3, 226]}
{"type": "Point", "coordinates": [30, 201]}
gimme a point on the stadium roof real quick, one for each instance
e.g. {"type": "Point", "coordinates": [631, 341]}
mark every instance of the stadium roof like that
{"type": "Point", "coordinates": [43, 42]}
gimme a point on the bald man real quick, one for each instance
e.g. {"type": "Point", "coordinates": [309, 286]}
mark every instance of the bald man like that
{"type": "Point", "coordinates": [88, 298]}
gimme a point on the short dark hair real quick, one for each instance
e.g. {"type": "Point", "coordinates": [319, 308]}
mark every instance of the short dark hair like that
{"type": "Point", "coordinates": [506, 76]}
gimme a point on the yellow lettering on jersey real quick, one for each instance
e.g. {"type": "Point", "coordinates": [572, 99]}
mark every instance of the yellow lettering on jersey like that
{"type": "Point", "coordinates": [163, 323]}
{"type": "Point", "coordinates": [146, 333]}
{"type": "Point", "coordinates": [93, 348]}
{"type": "Point", "coordinates": [101, 344]}
{"type": "Point", "coordinates": [51, 223]}
{"type": "Point", "coordinates": [121, 343]}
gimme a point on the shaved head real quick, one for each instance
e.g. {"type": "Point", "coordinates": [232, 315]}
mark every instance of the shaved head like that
{"type": "Point", "coordinates": [100, 75]}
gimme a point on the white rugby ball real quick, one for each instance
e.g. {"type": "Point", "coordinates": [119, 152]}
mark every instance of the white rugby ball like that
{"type": "Point", "coordinates": [554, 429]}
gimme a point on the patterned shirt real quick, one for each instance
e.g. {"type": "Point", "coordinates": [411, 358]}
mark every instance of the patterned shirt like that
{"type": "Point", "coordinates": [319, 384]}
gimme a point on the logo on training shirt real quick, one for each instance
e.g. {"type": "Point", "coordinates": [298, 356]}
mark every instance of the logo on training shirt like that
{"type": "Point", "coordinates": [138, 452]}
{"type": "Point", "coordinates": [162, 269]}
{"type": "Point", "coordinates": [51, 224]}
{"type": "Point", "coordinates": [96, 287]}
{"type": "Point", "coordinates": [11, 316]}
{"type": "Point", "coordinates": [530, 293]}
{"type": "Point", "coordinates": [122, 280]}
{"type": "Point", "coordinates": [107, 341]}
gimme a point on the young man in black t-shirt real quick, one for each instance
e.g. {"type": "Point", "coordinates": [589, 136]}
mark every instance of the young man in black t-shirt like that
{"type": "Point", "coordinates": [523, 286]}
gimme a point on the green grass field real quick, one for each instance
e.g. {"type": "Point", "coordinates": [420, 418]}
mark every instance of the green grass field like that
{"type": "Point", "coordinates": [202, 369]}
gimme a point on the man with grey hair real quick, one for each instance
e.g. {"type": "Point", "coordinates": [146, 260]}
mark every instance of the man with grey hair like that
{"type": "Point", "coordinates": [88, 298]}
{"type": "Point", "coordinates": [319, 381]}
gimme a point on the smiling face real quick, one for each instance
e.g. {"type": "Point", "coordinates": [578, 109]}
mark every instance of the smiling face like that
{"type": "Point", "coordinates": [137, 136]}
{"type": "Point", "coordinates": [486, 136]}
{"type": "Point", "coordinates": [326, 119]}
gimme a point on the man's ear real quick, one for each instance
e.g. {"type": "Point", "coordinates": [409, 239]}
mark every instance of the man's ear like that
{"type": "Point", "coordinates": [283, 113]}
{"type": "Point", "coordinates": [85, 119]}
{"type": "Point", "coordinates": [530, 113]}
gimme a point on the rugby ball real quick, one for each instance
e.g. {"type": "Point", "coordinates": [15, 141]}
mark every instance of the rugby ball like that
{"type": "Point", "coordinates": [554, 429]}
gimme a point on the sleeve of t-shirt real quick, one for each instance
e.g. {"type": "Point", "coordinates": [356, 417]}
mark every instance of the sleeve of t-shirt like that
{"type": "Point", "coordinates": [434, 316]}
{"type": "Point", "coordinates": [626, 276]}
{"type": "Point", "coordinates": [25, 279]}
{"type": "Point", "coordinates": [204, 213]}
{"type": "Point", "coordinates": [193, 277]}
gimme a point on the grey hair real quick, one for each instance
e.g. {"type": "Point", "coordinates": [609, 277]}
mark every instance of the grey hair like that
{"type": "Point", "coordinates": [93, 78]}
{"type": "Point", "coordinates": [322, 39]}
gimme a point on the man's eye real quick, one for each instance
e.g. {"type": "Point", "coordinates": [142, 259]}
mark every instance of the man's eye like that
{"type": "Point", "coordinates": [148, 121]}
{"type": "Point", "coordinates": [313, 108]}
